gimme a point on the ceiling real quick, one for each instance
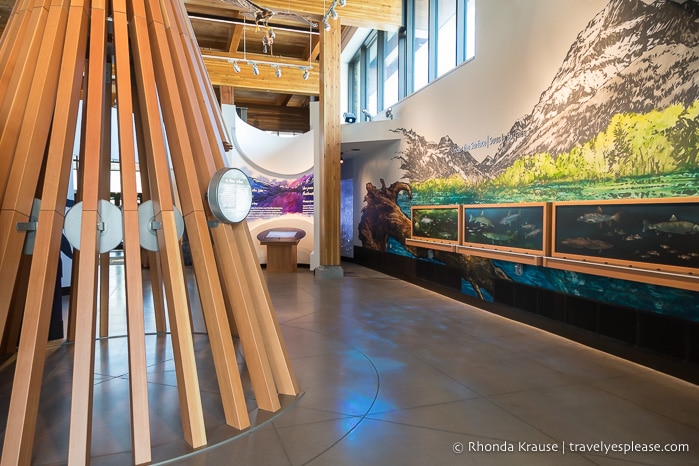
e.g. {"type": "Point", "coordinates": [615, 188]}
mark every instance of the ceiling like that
{"type": "Point", "coordinates": [226, 32]}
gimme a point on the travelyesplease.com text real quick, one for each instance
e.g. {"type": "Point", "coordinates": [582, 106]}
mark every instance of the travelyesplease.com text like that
{"type": "Point", "coordinates": [600, 447]}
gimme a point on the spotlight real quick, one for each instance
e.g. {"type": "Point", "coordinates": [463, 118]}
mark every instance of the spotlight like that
{"type": "Point", "coordinates": [367, 114]}
{"type": "Point", "coordinates": [255, 70]}
{"type": "Point", "coordinates": [326, 24]}
{"type": "Point", "coordinates": [333, 13]}
{"type": "Point", "coordinates": [349, 117]}
{"type": "Point", "coordinates": [306, 74]}
{"type": "Point", "coordinates": [278, 73]}
{"type": "Point", "coordinates": [264, 47]}
{"type": "Point", "coordinates": [342, 2]}
{"type": "Point", "coordinates": [236, 67]}
{"type": "Point", "coordinates": [389, 113]}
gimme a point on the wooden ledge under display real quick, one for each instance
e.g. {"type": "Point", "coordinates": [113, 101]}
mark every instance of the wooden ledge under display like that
{"type": "Point", "coordinates": [421, 243]}
{"type": "Point", "coordinates": [499, 254]}
{"type": "Point", "coordinates": [654, 277]}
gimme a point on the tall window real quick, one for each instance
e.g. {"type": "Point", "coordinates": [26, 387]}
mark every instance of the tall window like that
{"type": "Point", "coordinates": [439, 36]}
{"type": "Point", "coordinates": [372, 87]}
{"type": "Point", "coordinates": [421, 43]}
{"type": "Point", "coordinates": [390, 66]}
{"type": "Point", "coordinates": [355, 86]}
{"type": "Point", "coordinates": [446, 36]}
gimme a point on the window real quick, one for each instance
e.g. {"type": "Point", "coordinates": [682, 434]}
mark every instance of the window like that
{"type": "Point", "coordinates": [421, 43]}
{"type": "Point", "coordinates": [446, 36]}
{"type": "Point", "coordinates": [372, 88]}
{"type": "Point", "coordinates": [390, 66]}
{"type": "Point", "coordinates": [439, 35]}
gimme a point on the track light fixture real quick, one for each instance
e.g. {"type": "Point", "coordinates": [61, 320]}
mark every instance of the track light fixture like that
{"type": "Point", "coordinates": [332, 13]}
{"type": "Point", "coordinates": [255, 66]}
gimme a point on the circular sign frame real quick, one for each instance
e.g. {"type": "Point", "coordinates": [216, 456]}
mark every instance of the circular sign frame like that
{"type": "Point", "coordinates": [230, 195]}
{"type": "Point", "coordinates": [112, 226]}
{"type": "Point", "coordinates": [147, 234]}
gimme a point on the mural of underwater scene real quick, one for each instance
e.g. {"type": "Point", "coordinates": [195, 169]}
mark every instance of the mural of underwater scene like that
{"type": "Point", "coordinates": [635, 295]}
{"type": "Point", "coordinates": [619, 120]}
{"type": "Point", "coordinates": [275, 197]}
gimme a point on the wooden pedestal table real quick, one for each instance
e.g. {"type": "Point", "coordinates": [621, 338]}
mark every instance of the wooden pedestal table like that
{"type": "Point", "coordinates": [281, 248]}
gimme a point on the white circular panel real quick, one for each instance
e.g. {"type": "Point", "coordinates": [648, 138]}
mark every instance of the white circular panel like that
{"type": "Point", "coordinates": [110, 227]}
{"type": "Point", "coordinates": [149, 235]}
{"type": "Point", "coordinates": [230, 195]}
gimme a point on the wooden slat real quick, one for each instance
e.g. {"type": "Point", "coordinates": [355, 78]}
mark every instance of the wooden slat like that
{"type": "Point", "coordinates": [33, 129]}
{"type": "Point", "coordinates": [183, 347]}
{"type": "Point", "coordinates": [104, 294]}
{"type": "Point", "coordinates": [138, 380]}
{"type": "Point", "coordinates": [231, 254]}
{"type": "Point", "coordinates": [247, 323]}
{"type": "Point", "coordinates": [91, 156]}
{"type": "Point", "coordinates": [19, 435]}
{"type": "Point", "coordinates": [269, 325]}
{"type": "Point", "coordinates": [15, 91]}
{"type": "Point", "coordinates": [200, 74]}
{"type": "Point", "coordinates": [176, 89]}
{"type": "Point", "coordinates": [10, 340]}
{"type": "Point", "coordinates": [235, 249]}
{"type": "Point", "coordinates": [155, 272]}
{"type": "Point", "coordinates": [11, 46]}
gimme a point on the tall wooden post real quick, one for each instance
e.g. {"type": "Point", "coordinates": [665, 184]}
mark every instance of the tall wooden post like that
{"type": "Point", "coordinates": [329, 169]}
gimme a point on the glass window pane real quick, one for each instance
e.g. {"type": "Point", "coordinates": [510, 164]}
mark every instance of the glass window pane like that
{"type": "Point", "coordinates": [470, 29]}
{"type": "Point", "coordinates": [355, 83]}
{"type": "Point", "coordinates": [421, 44]}
{"type": "Point", "coordinates": [372, 78]}
{"type": "Point", "coordinates": [446, 36]}
{"type": "Point", "coordinates": [390, 63]}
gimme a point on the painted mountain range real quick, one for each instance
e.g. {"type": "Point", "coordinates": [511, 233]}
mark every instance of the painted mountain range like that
{"type": "Point", "coordinates": [632, 58]}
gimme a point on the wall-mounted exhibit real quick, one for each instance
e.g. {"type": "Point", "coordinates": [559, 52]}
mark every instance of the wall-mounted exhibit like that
{"type": "Point", "coordinates": [280, 169]}
{"type": "Point", "coordinates": [598, 123]}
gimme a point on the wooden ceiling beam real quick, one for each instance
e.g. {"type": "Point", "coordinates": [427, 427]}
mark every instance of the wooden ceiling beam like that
{"type": "Point", "coordinates": [273, 118]}
{"type": "Point", "coordinates": [221, 73]}
{"type": "Point", "coordinates": [236, 37]}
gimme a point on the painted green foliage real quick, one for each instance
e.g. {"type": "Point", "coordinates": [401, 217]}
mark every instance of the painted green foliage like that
{"type": "Point", "coordinates": [656, 143]}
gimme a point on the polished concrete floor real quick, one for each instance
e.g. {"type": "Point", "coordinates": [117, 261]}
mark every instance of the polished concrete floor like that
{"type": "Point", "coordinates": [391, 374]}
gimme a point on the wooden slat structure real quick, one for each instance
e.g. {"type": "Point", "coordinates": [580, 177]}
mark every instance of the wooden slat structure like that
{"type": "Point", "coordinates": [53, 55]}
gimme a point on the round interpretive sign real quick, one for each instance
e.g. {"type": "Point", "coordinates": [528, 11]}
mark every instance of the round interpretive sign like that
{"type": "Point", "coordinates": [230, 195]}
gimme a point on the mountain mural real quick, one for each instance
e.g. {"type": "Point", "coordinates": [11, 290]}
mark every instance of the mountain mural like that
{"type": "Point", "coordinates": [424, 160]}
{"type": "Point", "coordinates": [633, 58]}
